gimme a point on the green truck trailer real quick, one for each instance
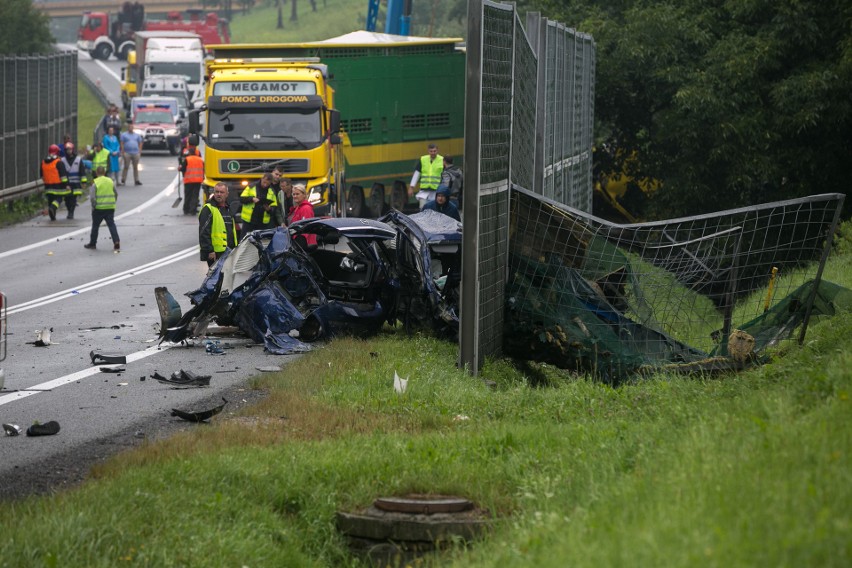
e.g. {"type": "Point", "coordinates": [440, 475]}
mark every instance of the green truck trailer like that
{"type": "Point", "coordinates": [395, 95]}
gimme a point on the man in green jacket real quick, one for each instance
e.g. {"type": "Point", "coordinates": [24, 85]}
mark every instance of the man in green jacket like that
{"type": "Point", "coordinates": [102, 196]}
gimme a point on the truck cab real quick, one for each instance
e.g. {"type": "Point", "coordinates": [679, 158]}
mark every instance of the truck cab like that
{"type": "Point", "coordinates": [264, 113]}
{"type": "Point", "coordinates": [128, 80]}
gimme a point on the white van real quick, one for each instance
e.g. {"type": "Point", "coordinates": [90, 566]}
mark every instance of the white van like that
{"type": "Point", "coordinates": [168, 86]}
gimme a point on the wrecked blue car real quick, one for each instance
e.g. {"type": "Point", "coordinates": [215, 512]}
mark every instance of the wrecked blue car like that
{"type": "Point", "coordinates": [360, 274]}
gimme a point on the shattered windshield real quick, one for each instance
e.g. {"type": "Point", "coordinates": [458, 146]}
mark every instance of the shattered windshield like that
{"type": "Point", "coordinates": [270, 129]}
{"type": "Point", "coordinates": [156, 116]}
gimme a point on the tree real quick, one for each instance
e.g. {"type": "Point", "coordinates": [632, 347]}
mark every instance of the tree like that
{"type": "Point", "coordinates": [24, 28]}
{"type": "Point", "coordinates": [726, 103]}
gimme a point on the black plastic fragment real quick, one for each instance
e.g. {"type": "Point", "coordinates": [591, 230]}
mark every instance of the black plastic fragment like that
{"type": "Point", "coordinates": [46, 429]}
{"type": "Point", "coordinates": [105, 359]}
{"type": "Point", "coordinates": [184, 379]}
{"type": "Point", "coordinates": [200, 416]}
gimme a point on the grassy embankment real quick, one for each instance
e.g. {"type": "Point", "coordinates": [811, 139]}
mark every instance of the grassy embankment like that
{"type": "Point", "coordinates": [332, 18]}
{"type": "Point", "coordinates": [750, 469]}
{"type": "Point", "coordinates": [89, 112]}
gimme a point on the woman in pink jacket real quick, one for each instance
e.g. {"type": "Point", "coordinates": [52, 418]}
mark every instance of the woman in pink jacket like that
{"type": "Point", "coordinates": [301, 209]}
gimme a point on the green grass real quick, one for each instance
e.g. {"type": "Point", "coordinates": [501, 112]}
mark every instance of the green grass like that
{"type": "Point", "coordinates": [746, 470]}
{"type": "Point", "coordinates": [332, 18]}
{"type": "Point", "coordinates": [89, 113]}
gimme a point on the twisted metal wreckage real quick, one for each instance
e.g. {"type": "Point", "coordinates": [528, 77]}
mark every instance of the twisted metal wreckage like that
{"type": "Point", "coordinates": [360, 274]}
{"type": "Point", "coordinates": [581, 293]}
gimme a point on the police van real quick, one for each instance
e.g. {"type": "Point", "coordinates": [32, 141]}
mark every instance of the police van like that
{"type": "Point", "coordinates": [160, 121]}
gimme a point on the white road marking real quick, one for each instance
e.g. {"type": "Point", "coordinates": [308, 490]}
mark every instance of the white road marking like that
{"type": "Point", "coordinates": [169, 190]}
{"type": "Point", "coordinates": [103, 66]}
{"type": "Point", "coordinates": [95, 284]}
{"type": "Point", "coordinates": [55, 383]}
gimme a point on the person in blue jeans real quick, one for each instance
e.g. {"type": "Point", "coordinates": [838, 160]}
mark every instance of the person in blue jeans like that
{"type": "Point", "coordinates": [131, 151]}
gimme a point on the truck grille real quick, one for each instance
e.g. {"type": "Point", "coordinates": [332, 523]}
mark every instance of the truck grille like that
{"type": "Point", "coordinates": [261, 166]}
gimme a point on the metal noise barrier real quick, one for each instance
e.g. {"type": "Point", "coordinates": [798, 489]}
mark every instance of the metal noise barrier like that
{"type": "Point", "coordinates": [39, 106]}
{"type": "Point", "coordinates": [528, 123]}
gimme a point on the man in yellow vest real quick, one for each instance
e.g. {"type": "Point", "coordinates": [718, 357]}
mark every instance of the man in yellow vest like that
{"type": "Point", "coordinates": [192, 168]}
{"type": "Point", "coordinates": [427, 172]}
{"type": "Point", "coordinates": [216, 231]}
{"type": "Point", "coordinates": [102, 196]}
{"type": "Point", "coordinates": [99, 157]}
{"type": "Point", "coordinates": [259, 201]}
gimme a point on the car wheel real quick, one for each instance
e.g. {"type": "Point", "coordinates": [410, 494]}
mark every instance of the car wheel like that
{"type": "Point", "coordinates": [355, 201]}
{"type": "Point", "coordinates": [102, 51]}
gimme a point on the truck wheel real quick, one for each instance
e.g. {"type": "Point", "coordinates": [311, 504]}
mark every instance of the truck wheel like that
{"type": "Point", "coordinates": [122, 53]}
{"type": "Point", "coordinates": [378, 207]}
{"type": "Point", "coordinates": [103, 51]}
{"type": "Point", "coordinates": [399, 196]}
{"type": "Point", "coordinates": [355, 201]}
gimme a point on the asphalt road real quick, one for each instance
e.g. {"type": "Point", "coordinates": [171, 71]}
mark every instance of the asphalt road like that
{"type": "Point", "coordinates": [104, 302]}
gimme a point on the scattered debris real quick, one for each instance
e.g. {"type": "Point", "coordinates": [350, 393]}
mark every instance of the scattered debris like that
{"type": "Point", "coordinates": [214, 348]}
{"type": "Point", "coordinates": [399, 384]}
{"type": "Point", "coordinates": [122, 384]}
{"type": "Point", "coordinates": [112, 369]}
{"type": "Point", "coordinates": [183, 379]}
{"type": "Point", "coordinates": [741, 346]}
{"type": "Point", "coordinates": [42, 337]}
{"type": "Point", "coordinates": [270, 369]}
{"type": "Point", "coordinates": [46, 429]}
{"type": "Point", "coordinates": [104, 359]}
{"type": "Point", "coordinates": [12, 429]}
{"type": "Point", "coordinates": [200, 416]}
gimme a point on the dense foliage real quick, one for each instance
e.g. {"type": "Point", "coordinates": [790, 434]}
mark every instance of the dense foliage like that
{"type": "Point", "coordinates": [727, 103]}
{"type": "Point", "coordinates": [23, 28]}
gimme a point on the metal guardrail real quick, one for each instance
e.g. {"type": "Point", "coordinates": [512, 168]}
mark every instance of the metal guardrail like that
{"type": "Point", "coordinates": [23, 190]}
{"type": "Point", "coordinates": [66, 9]}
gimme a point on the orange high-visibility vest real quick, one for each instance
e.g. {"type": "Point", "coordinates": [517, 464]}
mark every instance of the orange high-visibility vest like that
{"type": "Point", "coordinates": [50, 172]}
{"type": "Point", "coordinates": [194, 169]}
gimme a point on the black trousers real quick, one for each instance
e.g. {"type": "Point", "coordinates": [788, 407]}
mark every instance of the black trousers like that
{"type": "Point", "coordinates": [190, 198]}
{"type": "Point", "coordinates": [98, 216]}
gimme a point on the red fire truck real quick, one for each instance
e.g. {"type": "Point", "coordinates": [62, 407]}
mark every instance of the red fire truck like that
{"type": "Point", "coordinates": [102, 34]}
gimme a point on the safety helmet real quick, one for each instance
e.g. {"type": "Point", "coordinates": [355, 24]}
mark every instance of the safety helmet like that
{"type": "Point", "coordinates": [53, 150]}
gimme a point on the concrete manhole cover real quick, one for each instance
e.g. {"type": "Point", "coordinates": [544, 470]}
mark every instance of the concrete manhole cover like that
{"type": "Point", "coordinates": [424, 505]}
{"type": "Point", "coordinates": [409, 526]}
